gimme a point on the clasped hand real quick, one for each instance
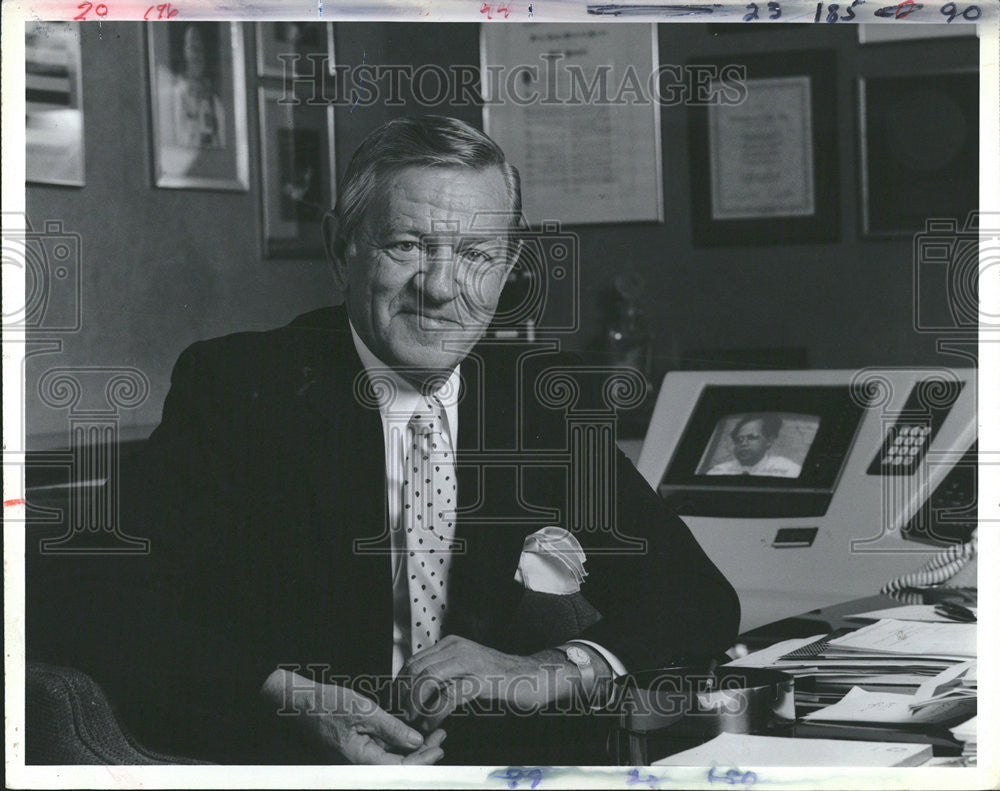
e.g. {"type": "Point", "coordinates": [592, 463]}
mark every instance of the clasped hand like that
{"type": "Point", "coordinates": [346, 723]}
{"type": "Point", "coordinates": [431, 685]}
{"type": "Point", "coordinates": [454, 671]}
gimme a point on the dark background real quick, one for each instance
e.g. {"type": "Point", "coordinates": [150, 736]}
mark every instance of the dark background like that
{"type": "Point", "coordinates": [163, 267]}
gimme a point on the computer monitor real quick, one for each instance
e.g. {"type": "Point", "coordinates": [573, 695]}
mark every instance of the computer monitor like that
{"type": "Point", "coordinates": [808, 487]}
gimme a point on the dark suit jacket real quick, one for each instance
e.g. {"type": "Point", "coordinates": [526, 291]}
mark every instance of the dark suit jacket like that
{"type": "Point", "coordinates": [268, 470]}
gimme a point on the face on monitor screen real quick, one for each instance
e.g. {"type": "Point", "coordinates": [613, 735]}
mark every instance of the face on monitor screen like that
{"type": "Point", "coordinates": [772, 444]}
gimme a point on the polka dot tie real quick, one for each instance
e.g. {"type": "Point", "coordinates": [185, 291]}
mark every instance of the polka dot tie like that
{"type": "Point", "coordinates": [429, 501]}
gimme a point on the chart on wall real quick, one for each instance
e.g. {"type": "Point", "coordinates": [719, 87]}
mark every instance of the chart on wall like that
{"type": "Point", "coordinates": [570, 105]}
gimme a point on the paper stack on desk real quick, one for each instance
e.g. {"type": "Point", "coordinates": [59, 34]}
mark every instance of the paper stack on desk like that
{"type": "Point", "coordinates": [885, 708]}
{"type": "Point", "coordinates": [890, 656]}
{"type": "Point", "coordinates": [939, 703]}
{"type": "Point", "coordinates": [747, 751]}
{"type": "Point", "coordinates": [910, 612]}
{"type": "Point", "coordinates": [958, 683]}
{"type": "Point", "coordinates": [914, 639]}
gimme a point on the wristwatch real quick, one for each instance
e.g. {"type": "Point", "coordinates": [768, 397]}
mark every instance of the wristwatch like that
{"type": "Point", "coordinates": [579, 657]}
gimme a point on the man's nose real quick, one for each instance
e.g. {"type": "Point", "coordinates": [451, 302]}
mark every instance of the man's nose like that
{"type": "Point", "coordinates": [438, 273]}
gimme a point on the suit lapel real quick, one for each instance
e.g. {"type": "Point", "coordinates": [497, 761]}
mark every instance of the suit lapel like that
{"type": "Point", "coordinates": [483, 592]}
{"type": "Point", "coordinates": [345, 464]}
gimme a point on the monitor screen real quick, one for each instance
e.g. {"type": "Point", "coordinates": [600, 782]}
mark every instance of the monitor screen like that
{"type": "Point", "coordinates": [767, 451]}
{"type": "Point", "coordinates": [759, 443]}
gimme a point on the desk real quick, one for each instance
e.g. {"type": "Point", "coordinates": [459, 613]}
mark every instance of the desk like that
{"type": "Point", "coordinates": [650, 738]}
{"type": "Point", "coordinates": [828, 619]}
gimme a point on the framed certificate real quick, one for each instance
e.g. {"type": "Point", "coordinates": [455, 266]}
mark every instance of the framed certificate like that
{"type": "Point", "coordinates": [762, 152]}
{"type": "Point", "coordinates": [763, 164]}
{"type": "Point", "coordinates": [569, 105]}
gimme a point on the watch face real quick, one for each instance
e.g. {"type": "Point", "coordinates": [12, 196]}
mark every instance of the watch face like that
{"type": "Point", "coordinates": [577, 655]}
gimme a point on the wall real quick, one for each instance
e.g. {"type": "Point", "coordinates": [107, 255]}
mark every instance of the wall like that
{"type": "Point", "coordinates": [163, 268]}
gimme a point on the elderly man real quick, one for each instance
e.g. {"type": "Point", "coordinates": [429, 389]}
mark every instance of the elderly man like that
{"type": "Point", "coordinates": [325, 513]}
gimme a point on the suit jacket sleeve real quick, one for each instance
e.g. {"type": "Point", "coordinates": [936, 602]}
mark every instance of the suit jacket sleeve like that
{"type": "Point", "coordinates": [173, 646]}
{"type": "Point", "coordinates": [660, 602]}
{"type": "Point", "coordinates": [664, 603]}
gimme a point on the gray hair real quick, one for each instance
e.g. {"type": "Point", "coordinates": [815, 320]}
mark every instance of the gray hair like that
{"type": "Point", "coordinates": [426, 141]}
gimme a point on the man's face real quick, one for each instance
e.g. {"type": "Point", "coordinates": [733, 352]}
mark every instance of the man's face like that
{"type": "Point", "coordinates": [415, 303]}
{"type": "Point", "coordinates": [750, 444]}
{"type": "Point", "coordinates": [194, 52]}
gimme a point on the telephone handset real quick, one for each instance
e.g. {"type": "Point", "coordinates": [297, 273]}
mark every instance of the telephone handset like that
{"type": "Point", "coordinates": [943, 567]}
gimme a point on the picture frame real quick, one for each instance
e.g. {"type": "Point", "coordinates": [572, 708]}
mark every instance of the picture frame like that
{"type": "Point", "coordinates": [277, 40]}
{"type": "Point", "coordinates": [620, 141]}
{"type": "Point", "coordinates": [295, 190]}
{"type": "Point", "coordinates": [54, 142]}
{"type": "Point", "coordinates": [904, 185]}
{"type": "Point", "coordinates": [197, 89]}
{"type": "Point", "coordinates": [887, 33]}
{"type": "Point", "coordinates": [764, 169]}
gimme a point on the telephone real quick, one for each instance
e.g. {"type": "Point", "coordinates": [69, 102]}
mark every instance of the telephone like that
{"type": "Point", "coordinates": [956, 564]}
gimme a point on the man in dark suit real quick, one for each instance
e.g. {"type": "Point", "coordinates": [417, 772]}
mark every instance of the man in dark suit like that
{"type": "Point", "coordinates": [294, 567]}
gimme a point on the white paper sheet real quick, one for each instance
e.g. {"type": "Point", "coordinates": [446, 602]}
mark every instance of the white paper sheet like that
{"type": "Point", "coordinates": [888, 708]}
{"type": "Point", "coordinates": [907, 612]}
{"type": "Point", "coordinates": [746, 751]}
{"type": "Point", "coordinates": [912, 638]}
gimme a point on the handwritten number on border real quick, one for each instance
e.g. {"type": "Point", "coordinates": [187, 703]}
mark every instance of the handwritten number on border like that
{"type": "Point", "coordinates": [970, 14]}
{"type": "Point", "coordinates": [515, 777]}
{"type": "Point", "coordinates": [732, 777]}
{"type": "Point", "coordinates": [833, 12]}
{"type": "Point", "coordinates": [85, 8]}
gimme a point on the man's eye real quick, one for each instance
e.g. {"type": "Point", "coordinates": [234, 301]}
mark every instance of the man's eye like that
{"type": "Point", "coordinates": [476, 256]}
{"type": "Point", "coordinates": [404, 249]}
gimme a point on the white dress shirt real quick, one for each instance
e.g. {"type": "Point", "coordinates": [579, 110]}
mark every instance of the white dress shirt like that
{"type": "Point", "coordinates": [774, 466]}
{"type": "Point", "coordinates": [396, 408]}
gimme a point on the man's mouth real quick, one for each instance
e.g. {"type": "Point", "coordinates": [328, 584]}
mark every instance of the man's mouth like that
{"type": "Point", "coordinates": [431, 320]}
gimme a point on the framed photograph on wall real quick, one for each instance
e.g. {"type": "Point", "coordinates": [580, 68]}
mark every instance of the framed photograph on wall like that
{"type": "Point", "coordinates": [764, 152]}
{"type": "Point", "coordinates": [53, 131]}
{"type": "Point", "coordinates": [298, 174]}
{"type": "Point", "coordinates": [306, 47]}
{"type": "Point", "coordinates": [197, 90]}
{"type": "Point", "coordinates": [904, 182]}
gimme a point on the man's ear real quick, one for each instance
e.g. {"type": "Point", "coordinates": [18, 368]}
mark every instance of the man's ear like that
{"type": "Point", "coordinates": [336, 248]}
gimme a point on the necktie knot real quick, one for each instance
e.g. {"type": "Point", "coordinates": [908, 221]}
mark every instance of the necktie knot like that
{"type": "Point", "coordinates": [428, 419]}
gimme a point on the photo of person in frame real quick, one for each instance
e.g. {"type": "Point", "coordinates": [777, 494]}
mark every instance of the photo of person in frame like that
{"type": "Point", "coordinates": [755, 446]}
{"type": "Point", "coordinates": [198, 116]}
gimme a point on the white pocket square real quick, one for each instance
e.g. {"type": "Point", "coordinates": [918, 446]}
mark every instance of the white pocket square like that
{"type": "Point", "coordinates": [551, 562]}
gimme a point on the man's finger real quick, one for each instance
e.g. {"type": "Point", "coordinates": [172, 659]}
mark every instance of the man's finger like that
{"type": "Point", "coordinates": [418, 663]}
{"type": "Point", "coordinates": [427, 685]}
{"type": "Point", "coordinates": [395, 733]}
{"type": "Point", "coordinates": [446, 703]}
{"type": "Point", "coordinates": [362, 749]}
{"type": "Point", "coordinates": [457, 693]}
{"type": "Point", "coordinates": [424, 757]}
{"type": "Point", "coordinates": [446, 646]}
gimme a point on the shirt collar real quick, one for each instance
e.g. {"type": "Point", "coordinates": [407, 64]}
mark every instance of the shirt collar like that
{"type": "Point", "coordinates": [760, 463]}
{"type": "Point", "coordinates": [405, 398]}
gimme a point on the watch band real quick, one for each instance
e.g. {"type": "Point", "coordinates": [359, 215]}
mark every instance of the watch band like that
{"type": "Point", "coordinates": [579, 657]}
